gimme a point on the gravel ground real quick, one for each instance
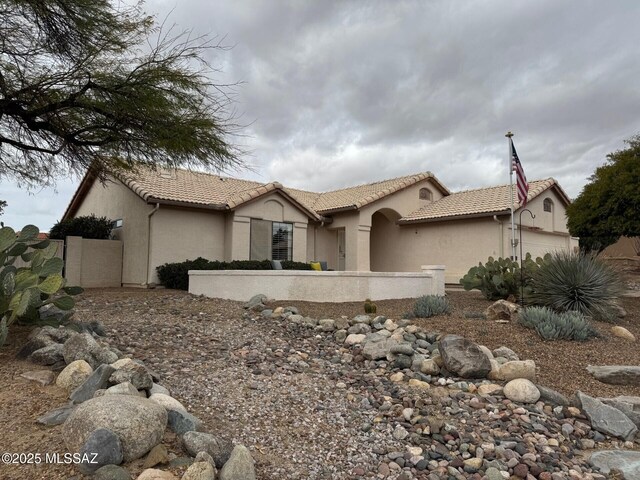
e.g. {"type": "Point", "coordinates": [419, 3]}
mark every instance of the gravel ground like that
{"type": "Point", "coordinates": [297, 399]}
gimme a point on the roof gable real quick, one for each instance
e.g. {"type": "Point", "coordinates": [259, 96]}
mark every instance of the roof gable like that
{"type": "Point", "coordinates": [479, 202]}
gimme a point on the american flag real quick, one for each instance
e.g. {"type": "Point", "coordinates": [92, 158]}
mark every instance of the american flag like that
{"type": "Point", "coordinates": [521, 184]}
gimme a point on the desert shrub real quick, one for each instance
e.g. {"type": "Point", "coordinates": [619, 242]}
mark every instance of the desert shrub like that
{"type": "Point", "coordinates": [25, 290]}
{"type": "Point", "coordinates": [431, 305]}
{"type": "Point", "coordinates": [88, 226]}
{"type": "Point", "coordinates": [581, 283]}
{"type": "Point", "coordinates": [370, 307]}
{"type": "Point", "coordinates": [501, 278]}
{"type": "Point", "coordinates": [551, 325]}
{"type": "Point", "coordinates": [176, 275]}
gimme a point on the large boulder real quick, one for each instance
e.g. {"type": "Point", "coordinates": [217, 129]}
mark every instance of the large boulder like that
{"type": "Point", "coordinates": [503, 310]}
{"type": "Point", "coordinates": [616, 374]}
{"type": "Point", "coordinates": [630, 406]}
{"type": "Point", "coordinates": [239, 466]}
{"type": "Point", "coordinates": [627, 461]}
{"type": "Point", "coordinates": [463, 358]}
{"type": "Point", "coordinates": [48, 355]}
{"type": "Point", "coordinates": [74, 375]}
{"type": "Point", "coordinates": [138, 422]}
{"type": "Point", "coordinates": [607, 419]}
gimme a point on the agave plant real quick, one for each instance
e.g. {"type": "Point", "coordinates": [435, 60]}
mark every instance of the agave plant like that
{"type": "Point", "coordinates": [581, 283]}
{"type": "Point", "coordinates": [551, 325]}
{"type": "Point", "coordinates": [431, 305]}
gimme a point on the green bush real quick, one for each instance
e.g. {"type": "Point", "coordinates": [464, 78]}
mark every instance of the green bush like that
{"type": "Point", "coordinates": [551, 325]}
{"type": "Point", "coordinates": [581, 283]}
{"type": "Point", "coordinates": [88, 226]}
{"type": "Point", "coordinates": [176, 275]}
{"type": "Point", "coordinates": [431, 305]}
{"type": "Point", "coordinates": [501, 278]}
{"type": "Point", "coordinates": [24, 290]}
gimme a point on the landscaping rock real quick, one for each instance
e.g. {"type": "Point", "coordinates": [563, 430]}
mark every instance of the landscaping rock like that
{"type": "Point", "coordinates": [48, 355]}
{"type": "Point", "coordinates": [256, 300]}
{"type": "Point", "coordinates": [135, 373]}
{"type": "Point", "coordinates": [82, 347]}
{"type": "Point", "coordinates": [327, 325]}
{"type": "Point", "coordinates": [628, 462]}
{"type": "Point", "coordinates": [106, 445]}
{"type": "Point", "coordinates": [507, 353]}
{"type": "Point", "coordinates": [43, 377]}
{"type": "Point", "coordinates": [155, 474]}
{"type": "Point", "coordinates": [155, 388]}
{"type": "Point", "coordinates": [521, 390]}
{"type": "Point", "coordinates": [125, 388]}
{"type": "Point", "coordinates": [622, 332]}
{"type": "Point", "coordinates": [111, 472]}
{"type": "Point", "coordinates": [181, 422]}
{"type": "Point", "coordinates": [502, 310]}
{"type": "Point", "coordinates": [429, 367]}
{"type": "Point", "coordinates": [200, 471]}
{"type": "Point", "coordinates": [354, 339]}
{"type": "Point", "coordinates": [518, 369]}
{"type": "Point", "coordinates": [219, 448]}
{"type": "Point", "coordinates": [57, 416]}
{"type": "Point", "coordinates": [616, 374]}
{"type": "Point", "coordinates": [630, 408]}
{"type": "Point", "coordinates": [97, 380]}
{"type": "Point", "coordinates": [169, 403]}
{"type": "Point", "coordinates": [74, 375]}
{"type": "Point", "coordinates": [607, 419]}
{"type": "Point", "coordinates": [239, 466]}
{"type": "Point", "coordinates": [377, 347]}
{"type": "Point", "coordinates": [463, 358]}
{"type": "Point", "coordinates": [138, 422]}
{"type": "Point", "coordinates": [553, 397]}
{"type": "Point", "coordinates": [156, 456]}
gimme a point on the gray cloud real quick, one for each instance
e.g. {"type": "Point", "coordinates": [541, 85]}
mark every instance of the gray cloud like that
{"type": "Point", "coordinates": [345, 92]}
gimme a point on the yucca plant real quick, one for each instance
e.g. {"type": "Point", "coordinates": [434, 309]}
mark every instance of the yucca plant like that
{"type": "Point", "coordinates": [580, 282]}
{"type": "Point", "coordinates": [431, 305]}
{"type": "Point", "coordinates": [551, 325]}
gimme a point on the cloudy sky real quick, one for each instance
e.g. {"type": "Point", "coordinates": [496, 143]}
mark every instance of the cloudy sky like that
{"type": "Point", "coordinates": [346, 92]}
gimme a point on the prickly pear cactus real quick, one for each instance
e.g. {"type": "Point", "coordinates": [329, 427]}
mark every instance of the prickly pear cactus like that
{"type": "Point", "coordinates": [24, 290]}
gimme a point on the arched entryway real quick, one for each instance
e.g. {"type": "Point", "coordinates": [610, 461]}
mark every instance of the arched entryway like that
{"type": "Point", "coordinates": [384, 241]}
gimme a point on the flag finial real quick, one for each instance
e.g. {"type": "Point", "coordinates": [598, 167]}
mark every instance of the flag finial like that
{"type": "Point", "coordinates": [509, 134]}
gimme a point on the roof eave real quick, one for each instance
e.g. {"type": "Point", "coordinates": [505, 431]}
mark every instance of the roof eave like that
{"type": "Point", "coordinates": [409, 221]}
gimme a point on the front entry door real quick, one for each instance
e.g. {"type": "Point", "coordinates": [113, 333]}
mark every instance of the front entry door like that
{"type": "Point", "coordinates": [341, 250]}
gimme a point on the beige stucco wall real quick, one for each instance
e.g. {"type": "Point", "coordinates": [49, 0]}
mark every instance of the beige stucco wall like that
{"type": "Point", "coordinates": [178, 234]}
{"type": "Point", "coordinates": [93, 263]}
{"type": "Point", "coordinates": [114, 200]}
{"type": "Point", "coordinates": [272, 207]}
{"type": "Point", "coordinates": [316, 286]}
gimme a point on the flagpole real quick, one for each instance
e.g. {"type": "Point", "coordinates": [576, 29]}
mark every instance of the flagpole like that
{"type": "Point", "coordinates": [513, 225]}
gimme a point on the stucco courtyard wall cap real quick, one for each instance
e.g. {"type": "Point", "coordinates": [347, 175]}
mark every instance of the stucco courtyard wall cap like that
{"type": "Point", "coordinates": [479, 202]}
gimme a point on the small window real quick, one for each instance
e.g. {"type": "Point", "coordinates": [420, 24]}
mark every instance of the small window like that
{"type": "Point", "coordinates": [117, 223]}
{"type": "Point", "coordinates": [271, 240]}
{"type": "Point", "coordinates": [425, 194]}
{"type": "Point", "coordinates": [548, 205]}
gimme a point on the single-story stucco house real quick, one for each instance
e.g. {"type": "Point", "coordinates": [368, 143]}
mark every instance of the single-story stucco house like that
{"type": "Point", "coordinates": [391, 225]}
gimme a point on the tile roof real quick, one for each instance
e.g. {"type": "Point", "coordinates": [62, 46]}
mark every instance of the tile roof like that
{"type": "Point", "coordinates": [360, 195]}
{"type": "Point", "coordinates": [477, 202]}
{"type": "Point", "coordinates": [198, 188]}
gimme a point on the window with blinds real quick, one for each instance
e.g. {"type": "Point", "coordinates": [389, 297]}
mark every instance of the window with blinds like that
{"type": "Point", "coordinates": [271, 240]}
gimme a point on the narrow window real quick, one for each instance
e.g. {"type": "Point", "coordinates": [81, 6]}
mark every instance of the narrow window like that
{"type": "Point", "coordinates": [282, 241]}
{"type": "Point", "coordinates": [117, 223]}
{"type": "Point", "coordinates": [425, 194]}
{"type": "Point", "coordinates": [548, 205]}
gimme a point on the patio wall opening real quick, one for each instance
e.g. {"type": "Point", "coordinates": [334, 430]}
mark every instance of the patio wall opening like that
{"type": "Point", "coordinates": [313, 286]}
